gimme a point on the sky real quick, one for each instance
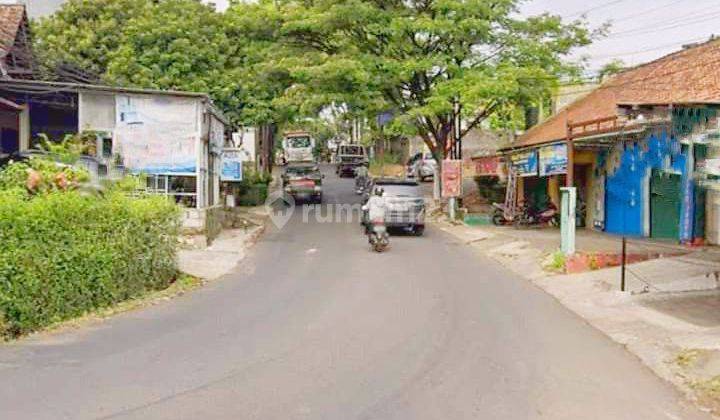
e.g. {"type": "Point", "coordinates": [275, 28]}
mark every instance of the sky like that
{"type": "Point", "coordinates": [641, 31]}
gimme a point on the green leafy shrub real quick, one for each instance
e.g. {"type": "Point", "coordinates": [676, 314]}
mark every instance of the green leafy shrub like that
{"type": "Point", "coordinates": [39, 175]}
{"type": "Point", "coordinates": [556, 261]}
{"type": "Point", "coordinates": [65, 253]}
{"type": "Point", "coordinates": [253, 189]}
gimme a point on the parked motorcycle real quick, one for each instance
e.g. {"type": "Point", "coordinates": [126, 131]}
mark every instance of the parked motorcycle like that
{"type": "Point", "coordinates": [527, 216]}
{"type": "Point", "coordinates": [498, 217]}
{"type": "Point", "coordinates": [378, 236]}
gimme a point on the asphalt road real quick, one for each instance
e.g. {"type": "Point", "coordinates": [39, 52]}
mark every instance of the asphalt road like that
{"type": "Point", "coordinates": [315, 326]}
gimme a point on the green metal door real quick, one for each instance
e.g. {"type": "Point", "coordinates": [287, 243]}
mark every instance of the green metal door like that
{"type": "Point", "coordinates": [536, 194]}
{"type": "Point", "coordinates": [665, 203]}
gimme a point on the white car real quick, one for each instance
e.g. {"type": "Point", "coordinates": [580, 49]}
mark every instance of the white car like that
{"type": "Point", "coordinates": [422, 167]}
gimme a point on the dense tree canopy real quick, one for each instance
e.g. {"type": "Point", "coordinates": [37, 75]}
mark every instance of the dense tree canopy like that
{"type": "Point", "coordinates": [168, 44]}
{"type": "Point", "coordinates": [414, 57]}
{"type": "Point", "coordinates": [275, 61]}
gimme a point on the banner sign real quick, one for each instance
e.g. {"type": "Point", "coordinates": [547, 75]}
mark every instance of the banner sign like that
{"type": "Point", "coordinates": [451, 178]}
{"type": "Point", "coordinates": [553, 160]}
{"type": "Point", "coordinates": [231, 165]}
{"type": "Point", "coordinates": [157, 135]}
{"type": "Point", "coordinates": [487, 166]}
{"type": "Point", "coordinates": [525, 163]}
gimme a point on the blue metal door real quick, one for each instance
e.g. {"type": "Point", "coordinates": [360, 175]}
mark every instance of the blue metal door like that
{"type": "Point", "coordinates": [624, 195]}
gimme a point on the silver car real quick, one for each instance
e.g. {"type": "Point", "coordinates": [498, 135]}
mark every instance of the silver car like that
{"type": "Point", "coordinates": [422, 168]}
{"type": "Point", "coordinates": [405, 204]}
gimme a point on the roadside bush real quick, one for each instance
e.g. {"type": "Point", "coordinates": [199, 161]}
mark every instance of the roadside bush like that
{"type": "Point", "coordinates": [64, 253]}
{"type": "Point", "coordinates": [38, 176]}
{"type": "Point", "coordinates": [253, 189]}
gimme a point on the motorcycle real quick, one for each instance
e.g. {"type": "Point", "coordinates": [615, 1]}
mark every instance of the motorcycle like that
{"type": "Point", "coordinates": [498, 217]}
{"type": "Point", "coordinates": [378, 236]}
{"type": "Point", "coordinates": [361, 184]}
{"type": "Point", "coordinates": [528, 217]}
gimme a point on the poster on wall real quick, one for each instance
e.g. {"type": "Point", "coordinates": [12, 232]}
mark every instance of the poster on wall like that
{"type": "Point", "coordinates": [156, 135]}
{"type": "Point", "coordinates": [487, 166]}
{"type": "Point", "coordinates": [451, 178]}
{"type": "Point", "coordinates": [553, 160]}
{"type": "Point", "coordinates": [525, 163]}
{"type": "Point", "coordinates": [232, 159]}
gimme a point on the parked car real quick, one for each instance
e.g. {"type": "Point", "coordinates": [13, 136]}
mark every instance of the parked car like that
{"type": "Point", "coordinates": [406, 205]}
{"type": "Point", "coordinates": [349, 157]}
{"type": "Point", "coordinates": [303, 182]}
{"type": "Point", "coordinates": [421, 167]}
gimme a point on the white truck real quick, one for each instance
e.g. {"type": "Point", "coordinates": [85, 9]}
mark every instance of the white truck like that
{"type": "Point", "coordinates": [298, 146]}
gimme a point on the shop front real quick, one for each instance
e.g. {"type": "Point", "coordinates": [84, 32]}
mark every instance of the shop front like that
{"type": "Point", "coordinates": [542, 171]}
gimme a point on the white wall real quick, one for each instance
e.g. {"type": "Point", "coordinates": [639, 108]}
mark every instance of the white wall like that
{"type": "Point", "coordinates": [96, 111]}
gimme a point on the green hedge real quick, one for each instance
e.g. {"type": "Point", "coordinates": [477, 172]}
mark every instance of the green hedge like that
{"type": "Point", "coordinates": [64, 253]}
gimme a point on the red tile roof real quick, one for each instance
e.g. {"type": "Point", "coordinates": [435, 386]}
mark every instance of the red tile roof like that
{"type": "Point", "coordinates": [686, 76]}
{"type": "Point", "coordinates": [11, 17]}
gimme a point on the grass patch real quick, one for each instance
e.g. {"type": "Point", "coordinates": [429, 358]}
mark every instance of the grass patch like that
{"type": "Point", "coordinates": [380, 169]}
{"type": "Point", "coordinates": [185, 283]}
{"type": "Point", "coordinates": [687, 358]}
{"type": "Point", "coordinates": [555, 262]}
{"type": "Point", "coordinates": [708, 393]}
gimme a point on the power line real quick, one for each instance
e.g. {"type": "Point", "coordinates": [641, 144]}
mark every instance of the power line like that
{"type": "Point", "coordinates": [690, 19]}
{"type": "Point", "coordinates": [659, 47]}
{"type": "Point", "coordinates": [648, 11]}
{"type": "Point", "coordinates": [644, 79]}
{"type": "Point", "coordinates": [592, 9]}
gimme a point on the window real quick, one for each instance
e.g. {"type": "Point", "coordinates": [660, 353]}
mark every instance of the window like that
{"type": "Point", "coordinates": [299, 142]}
{"type": "Point", "coordinates": [183, 189]}
{"type": "Point", "coordinates": [107, 146]}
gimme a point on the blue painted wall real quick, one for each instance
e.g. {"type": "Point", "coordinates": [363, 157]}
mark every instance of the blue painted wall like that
{"type": "Point", "coordinates": [628, 167]}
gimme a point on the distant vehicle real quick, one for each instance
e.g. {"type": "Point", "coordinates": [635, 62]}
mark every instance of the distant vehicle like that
{"type": "Point", "coordinates": [405, 204]}
{"type": "Point", "coordinates": [421, 167]}
{"type": "Point", "coordinates": [303, 182]}
{"type": "Point", "coordinates": [298, 146]}
{"type": "Point", "coordinates": [348, 157]}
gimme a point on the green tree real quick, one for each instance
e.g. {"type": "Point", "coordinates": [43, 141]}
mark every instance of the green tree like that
{"type": "Point", "coordinates": [168, 44]}
{"type": "Point", "coordinates": [415, 57]}
{"type": "Point", "coordinates": [610, 69]}
{"type": "Point", "coordinates": [83, 33]}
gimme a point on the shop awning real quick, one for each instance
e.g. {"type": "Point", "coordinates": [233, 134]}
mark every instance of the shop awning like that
{"type": "Point", "coordinates": [9, 105]}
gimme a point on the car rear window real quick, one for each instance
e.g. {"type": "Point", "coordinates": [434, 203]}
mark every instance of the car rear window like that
{"type": "Point", "coordinates": [300, 171]}
{"type": "Point", "coordinates": [351, 150]}
{"type": "Point", "coordinates": [402, 190]}
{"type": "Point", "coordinates": [299, 142]}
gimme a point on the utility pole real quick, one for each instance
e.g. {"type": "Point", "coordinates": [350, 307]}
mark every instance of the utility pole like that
{"type": "Point", "coordinates": [457, 133]}
{"type": "Point", "coordinates": [455, 151]}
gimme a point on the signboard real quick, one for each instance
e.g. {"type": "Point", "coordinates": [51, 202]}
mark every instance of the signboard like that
{"type": "Point", "coordinates": [553, 160]}
{"type": "Point", "coordinates": [451, 178]}
{"type": "Point", "coordinates": [157, 135]}
{"type": "Point", "coordinates": [487, 166]}
{"type": "Point", "coordinates": [525, 163]}
{"type": "Point", "coordinates": [231, 165]}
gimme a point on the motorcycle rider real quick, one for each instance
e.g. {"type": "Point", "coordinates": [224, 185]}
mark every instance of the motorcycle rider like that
{"type": "Point", "coordinates": [376, 208]}
{"type": "Point", "coordinates": [361, 175]}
